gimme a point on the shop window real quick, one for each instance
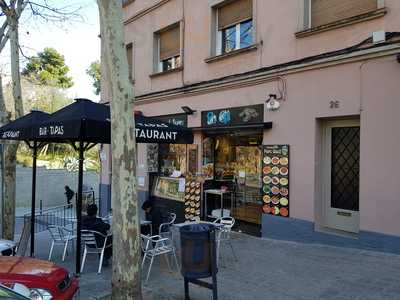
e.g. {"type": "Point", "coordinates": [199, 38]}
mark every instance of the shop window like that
{"type": "Point", "coordinates": [129, 56]}
{"type": "Point", "coordinates": [169, 49]}
{"type": "Point", "coordinates": [234, 26]}
{"type": "Point", "coordinates": [329, 11]}
{"type": "Point", "coordinates": [172, 158]}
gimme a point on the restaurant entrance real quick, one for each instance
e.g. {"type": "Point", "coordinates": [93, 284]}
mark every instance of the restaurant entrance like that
{"type": "Point", "coordinates": [233, 160]}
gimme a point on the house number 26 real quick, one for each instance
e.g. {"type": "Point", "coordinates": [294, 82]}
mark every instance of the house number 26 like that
{"type": "Point", "coordinates": [334, 104]}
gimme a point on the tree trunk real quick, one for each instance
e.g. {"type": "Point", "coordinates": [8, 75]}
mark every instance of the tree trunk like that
{"type": "Point", "coordinates": [4, 119]}
{"type": "Point", "coordinates": [126, 231]}
{"type": "Point", "coordinates": [11, 149]}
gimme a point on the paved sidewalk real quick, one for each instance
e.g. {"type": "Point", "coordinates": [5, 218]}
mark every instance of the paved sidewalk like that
{"type": "Point", "coordinates": [267, 269]}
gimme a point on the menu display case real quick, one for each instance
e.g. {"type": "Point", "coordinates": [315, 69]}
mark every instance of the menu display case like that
{"type": "Point", "coordinates": [276, 180]}
{"type": "Point", "coordinates": [169, 188]}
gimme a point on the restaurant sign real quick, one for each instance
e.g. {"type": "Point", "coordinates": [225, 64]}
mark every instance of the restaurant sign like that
{"type": "Point", "coordinates": [176, 119]}
{"type": "Point", "coordinates": [234, 116]}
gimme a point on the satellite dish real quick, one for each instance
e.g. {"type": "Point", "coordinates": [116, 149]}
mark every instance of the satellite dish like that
{"type": "Point", "coordinates": [273, 105]}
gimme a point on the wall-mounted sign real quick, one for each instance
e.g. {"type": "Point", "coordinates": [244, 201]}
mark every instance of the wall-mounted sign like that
{"type": "Point", "coordinates": [275, 188]}
{"type": "Point", "coordinates": [233, 116]}
{"type": "Point", "coordinates": [177, 119]}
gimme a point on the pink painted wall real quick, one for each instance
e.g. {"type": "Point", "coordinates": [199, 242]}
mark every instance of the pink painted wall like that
{"type": "Point", "coordinates": [309, 94]}
{"type": "Point", "coordinates": [367, 89]}
{"type": "Point", "coordinates": [380, 147]}
{"type": "Point", "coordinates": [275, 22]}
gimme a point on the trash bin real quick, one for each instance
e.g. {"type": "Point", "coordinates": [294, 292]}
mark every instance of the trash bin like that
{"type": "Point", "coordinates": [198, 255]}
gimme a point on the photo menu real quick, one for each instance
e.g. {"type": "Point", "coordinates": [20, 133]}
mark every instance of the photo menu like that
{"type": "Point", "coordinates": [275, 187]}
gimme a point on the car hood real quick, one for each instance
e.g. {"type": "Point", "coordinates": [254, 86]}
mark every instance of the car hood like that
{"type": "Point", "coordinates": [26, 266]}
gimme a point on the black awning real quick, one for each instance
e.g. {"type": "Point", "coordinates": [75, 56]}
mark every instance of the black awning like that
{"type": "Point", "coordinates": [90, 122]}
{"type": "Point", "coordinates": [22, 128]}
{"type": "Point", "coordinates": [222, 129]}
{"type": "Point", "coordinates": [152, 130]}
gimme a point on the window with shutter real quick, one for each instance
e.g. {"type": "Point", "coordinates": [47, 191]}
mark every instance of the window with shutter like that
{"type": "Point", "coordinates": [169, 43]}
{"type": "Point", "coordinates": [234, 25]}
{"type": "Point", "coordinates": [328, 11]}
{"type": "Point", "coordinates": [129, 56]}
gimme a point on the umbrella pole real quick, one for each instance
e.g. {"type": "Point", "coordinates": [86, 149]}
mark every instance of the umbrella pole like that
{"type": "Point", "coordinates": [33, 204]}
{"type": "Point", "coordinates": [79, 209]}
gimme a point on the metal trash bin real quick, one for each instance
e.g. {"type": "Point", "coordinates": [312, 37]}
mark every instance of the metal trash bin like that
{"type": "Point", "coordinates": [198, 256]}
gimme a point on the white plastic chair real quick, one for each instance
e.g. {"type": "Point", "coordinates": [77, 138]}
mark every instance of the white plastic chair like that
{"type": "Point", "coordinates": [60, 236]}
{"type": "Point", "coordinates": [91, 247]}
{"type": "Point", "coordinates": [224, 234]}
{"type": "Point", "coordinates": [153, 246]}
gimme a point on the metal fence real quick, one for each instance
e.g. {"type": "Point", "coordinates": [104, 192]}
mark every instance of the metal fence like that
{"type": "Point", "coordinates": [64, 215]}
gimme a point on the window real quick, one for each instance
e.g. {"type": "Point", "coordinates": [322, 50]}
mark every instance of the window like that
{"type": "Point", "coordinates": [169, 47]}
{"type": "Point", "coordinates": [328, 11]}
{"type": "Point", "coordinates": [234, 26]}
{"type": "Point", "coordinates": [129, 55]}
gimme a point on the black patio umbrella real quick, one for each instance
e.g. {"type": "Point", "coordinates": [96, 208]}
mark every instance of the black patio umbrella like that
{"type": "Point", "coordinates": [88, 123]}
{"type": "Point", "coordinates": [82, 124]}
{"type": "Point", "coordinates": [22, 130]}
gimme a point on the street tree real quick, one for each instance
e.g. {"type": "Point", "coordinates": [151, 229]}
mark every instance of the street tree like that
{"type": "Point", "coordinates": [48, 68]}
{"type": "Point", "coordinates": [94, 72]}
{"type": "Point", "coordinates": [11, 12]}
{"type": "Point", "coordinates": [126, 230]}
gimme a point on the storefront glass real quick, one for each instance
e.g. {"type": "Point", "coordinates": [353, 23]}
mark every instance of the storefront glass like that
{"type": "Point", "coordinates": [236, 158]}
{"type": "Point", "coordinates": [172, 158]}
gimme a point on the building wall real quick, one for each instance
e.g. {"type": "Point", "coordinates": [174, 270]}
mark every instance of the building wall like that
{"type": "Point", "coordinates": [297, 123]}
{"type": "Point", "coordinates": [275, 21]}
{"type": "Point", "coordinates": [365, 86]}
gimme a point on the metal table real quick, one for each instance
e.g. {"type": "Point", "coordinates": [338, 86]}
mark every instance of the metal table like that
{"type": "Point", "coordinates": [220, 193]}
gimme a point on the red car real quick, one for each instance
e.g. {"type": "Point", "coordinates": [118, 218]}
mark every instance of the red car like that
{"type": "Point", "coordinates": [43, 279]}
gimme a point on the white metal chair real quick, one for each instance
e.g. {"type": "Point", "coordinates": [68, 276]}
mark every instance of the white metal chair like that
{"type": "Point", "coordinates": [165, 228]}
{"type": "Point", "coordinates": [91, 247]}
{"type": "Point", "coordinates": [224, 234]}
{"type": "Point", "coordinates": [153, 246]}
{"type": "Point", "coordinates": [60, 236]}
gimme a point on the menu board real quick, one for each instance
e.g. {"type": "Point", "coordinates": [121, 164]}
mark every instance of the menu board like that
{"type": "Point", "coordinates": [192, 198]}
{"type": "Point", "coordinates": [168, 188]}
{"type": "Point", "coordinates": [275, 189]}
{"type": "Point", "coordinates": [192, 159]}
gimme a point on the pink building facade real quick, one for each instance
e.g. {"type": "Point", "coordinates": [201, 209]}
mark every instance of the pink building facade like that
{"type": "Point", "coordinates": [325, 79]}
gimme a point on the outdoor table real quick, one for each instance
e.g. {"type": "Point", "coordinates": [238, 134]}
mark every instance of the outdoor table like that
{"type": "Point", "coordinates": [221, 194]}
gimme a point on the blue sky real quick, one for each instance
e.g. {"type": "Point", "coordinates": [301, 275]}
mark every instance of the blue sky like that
{"type": "Point", "coordinates": [78, 42]}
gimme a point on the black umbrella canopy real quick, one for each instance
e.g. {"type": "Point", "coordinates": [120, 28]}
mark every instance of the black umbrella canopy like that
{"type": "Point", "coordinates": [88, 121]}
{"type": "Point", "coordinates": [22, 128]}
{"type": "Point", "coordinates": [83, 120]}
{"type": "Point", "coordinates": [150, 130]}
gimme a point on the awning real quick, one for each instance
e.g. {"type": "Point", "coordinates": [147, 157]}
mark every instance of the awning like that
{"type": "Point", "coordinates": [223, 129]}
{"type": "Point", "coordinates": [151, 130]}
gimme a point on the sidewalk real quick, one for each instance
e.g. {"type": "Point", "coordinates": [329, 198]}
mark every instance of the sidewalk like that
{"type": "Point", "coordinates": [267, 269]}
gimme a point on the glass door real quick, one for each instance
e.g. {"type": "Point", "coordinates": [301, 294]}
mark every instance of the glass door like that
{"type": "Point", "coordinates": [248, 201]}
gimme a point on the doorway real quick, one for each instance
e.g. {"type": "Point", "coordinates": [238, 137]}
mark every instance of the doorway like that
{"type": "Point", "coordinates": [236, 158]}
{"type": "Point", "coordinates": [341, 174]}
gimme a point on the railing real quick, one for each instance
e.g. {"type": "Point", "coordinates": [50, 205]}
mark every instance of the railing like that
{"type": "Point", "coordinates": [63, 215]}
